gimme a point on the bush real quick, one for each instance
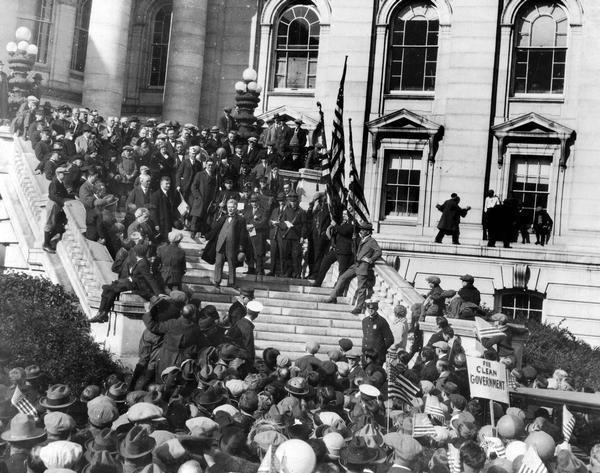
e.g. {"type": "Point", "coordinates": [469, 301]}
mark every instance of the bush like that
{"type": "Point", "coordinates": [553, 347]}
{"type": "Point", "coordinates": [41, 323]}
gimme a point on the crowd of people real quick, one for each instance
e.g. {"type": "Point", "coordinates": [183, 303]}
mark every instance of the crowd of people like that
{"type": "Point", "coordinates": [201, 399]}
{"type": "Point", "coordinates": [152, 178]}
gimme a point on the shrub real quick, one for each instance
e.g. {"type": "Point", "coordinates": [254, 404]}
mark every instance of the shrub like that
{"type": "Point", "coordinates": [41, 323]}
{"type": "Point", "coordinates": [553, 347]}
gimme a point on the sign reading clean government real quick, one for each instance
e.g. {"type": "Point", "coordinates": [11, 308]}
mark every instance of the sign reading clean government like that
{"type": "Point", "coordinates": [487, 379]}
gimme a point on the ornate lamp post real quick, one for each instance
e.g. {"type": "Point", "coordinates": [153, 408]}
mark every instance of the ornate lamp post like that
{"type": "Point", "coordinates": [246, 99]}
{"type": "Point", "coordinates": [22, 55]}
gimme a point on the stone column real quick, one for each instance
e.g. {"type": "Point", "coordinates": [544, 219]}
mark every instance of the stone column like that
{"type": "Point", "coordinates": [8, 26]}
{"type": "Point", "coordinates": [185, 65]}
{"type": "Point", "coordinates": [106, 59]}
{"type": "Point", "coordinates": [66, 11]}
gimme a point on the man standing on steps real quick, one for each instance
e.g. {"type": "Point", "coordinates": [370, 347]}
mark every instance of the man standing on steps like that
{"type": "Point", "coordinates": [377, 334]}
{"type": "Point", "coordinates": [230, 231]}
{"type": "Point", "coordinates": [237, 310]}
{"type": "Point", "coordinates": [367, 254]}
{"type": "Point", "coordinates": [242, 333]}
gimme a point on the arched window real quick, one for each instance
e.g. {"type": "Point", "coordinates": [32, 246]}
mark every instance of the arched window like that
{"type": "Point", "coordinates": [297, 48]}
{"type": "Point", "coordinates": [80, 38]}
{"type": "Point", "coordinates": [541, 49]}
{"type": "Point", "coordinates": [161, 30]}
{"type": "Point", "coordinates": [413, 48]}
{"type": "Point", "coordinates": [521, 305]}
{"type": "Point", "coordinates": [40, 26]}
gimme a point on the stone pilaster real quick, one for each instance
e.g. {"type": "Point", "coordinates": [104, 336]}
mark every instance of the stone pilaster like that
{"type": "Point", "coordinates": [186, 57]}
{"type": "Point", "coordinates": [107, 56]}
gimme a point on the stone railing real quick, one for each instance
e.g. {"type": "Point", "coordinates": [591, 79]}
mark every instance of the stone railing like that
{"type": "Point", "coordinates": [391, 289]}
{"type": "Point", "coordinates": [86, 263]}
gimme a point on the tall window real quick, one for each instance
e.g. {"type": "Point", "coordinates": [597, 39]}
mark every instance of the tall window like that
{"type": "Point", "coordinates": [40, 26]}
{"type": "Point", "coordinates": [160, 46]}
{"type": "Point", "coordinates": [521, 305]}
{"type": "Point", "coordinates": [297, 48]}
{"type": "Point", "coordinates": [541, 50]}
{"type": "Point", "coordinates": [530, 182]}
{"type": "Point", "coordinates": [402, 178]}
{"type": "Point", "coordinates": [413, 48]}
{"type": "Point", "coordinates": [80, 39]}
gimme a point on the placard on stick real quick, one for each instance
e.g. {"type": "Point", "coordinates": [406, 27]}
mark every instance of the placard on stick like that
{"type": "Point", "coordinates": [487, 379]}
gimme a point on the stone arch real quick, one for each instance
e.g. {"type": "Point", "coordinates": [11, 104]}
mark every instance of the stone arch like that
{"type": "Point", "coordinates": [573, 8]}
{"type": "Point", "coordinates": [273, 8]}
{"type": "Point", "coordinates": [443, 8]}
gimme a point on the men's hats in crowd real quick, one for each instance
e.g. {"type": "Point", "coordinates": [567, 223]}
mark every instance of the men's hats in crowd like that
{"type": "Point", "coordinates": [102, 411]}
{"type": "Point", "coordinates": [137, 443]}
{"type": "Point", "coordinates": [215, 129]}
{"type": "Point", "coordinates": [467, 278]}
{"type": "Point", "coordinates": [118, 391]}
{"type": "Point", "coordinates": [357, 454]}
{"type": "Point", "coordinates": [249, 293]}
{"type": "Point", "coordinates": [22, 428]}
{"type": "Point", "coordinates": [345, 344]}
{"type": "Point", "coordinates": [368, 391]}
{"type": "Point", "coordinates": [144, 411]}
{"type": "Point", "coordinates": [353, 354]}
{"type": "Point", "coordinates": [433, 280]}
{"type": "Point", "coordinates": [366, 226]}
{"type": "Point", "coordinates": [201, 426]}
{"type": "Point", "coordinates": [58, 423]}
{"type": "Point", "coordinates": [372, 304]}
{"type": "Point", "coordinates": [102, 460]}
{"type": "Point", "coordinates": [297, 386]}
{"type": "Point", "coordinates": [58, 396]}
{"type": "Point", "coordinates": [61, 454]}
{"type": "Point", "coordinates": [105, 439]}
{"type": "Point", "coordinates": [254, 307]}
{"type": "Point", "coordinates": [32, 372]}
{"type": "Point", "coordinates": [405, 447]}
{"type": "Point", "coordinates": [296, 456]}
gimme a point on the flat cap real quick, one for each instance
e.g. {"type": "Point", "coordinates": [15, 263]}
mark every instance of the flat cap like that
{"type": "Point", "coordinates": [405, 447]}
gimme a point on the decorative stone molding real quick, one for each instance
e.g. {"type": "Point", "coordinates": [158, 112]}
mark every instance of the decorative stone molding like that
{"type": "Point", "coordinates": [573, 7]}
{"type": "Point", "coordinates": [521, 275]}
{"type": "Point", "coordinates": [443, 7]}
{"type": "Point", "coordinates": [272, 8]}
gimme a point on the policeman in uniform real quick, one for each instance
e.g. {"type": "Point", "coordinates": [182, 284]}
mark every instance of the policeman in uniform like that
{"type": "Point", "coordinates": [377, 334]}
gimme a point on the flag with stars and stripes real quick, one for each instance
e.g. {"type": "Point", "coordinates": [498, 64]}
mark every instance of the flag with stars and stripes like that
{"type": "Point", "coordinates": [23, 405]}
{"type": "Point", "coordinates": [399, 386]}
{"type": "Point", "coordinates": [486, 329]}
{"type": "Point", "coordinates": [422, 426]}
{"type": "Point", "coordinates": [454, 459]}
{"type": "Point", "coordinates": [434, 409]}
{"type": "Point", "coordinates": [357, 204]}
{"type": "Point", "coordinates": [532, 463]}
{"type": "Point", "coordinates": [336, 190]}
{"type": "Point", "coordinates": [568, 423]}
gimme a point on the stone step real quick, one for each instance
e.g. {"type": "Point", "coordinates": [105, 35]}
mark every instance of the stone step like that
{"type": "Point", "coordinates": [204, 284]}
{"type": "Point", "coordinates": [318, 333]}
{"type": "Point", "coordinates": [303, 297]}
{"type": "Point", "coordinates": [351, 321]}
{"type": "Point", "coordinates": [201, 277]}
{"type": "Point", "coordinates": [307, 305]}
{"type": "Point", "coordinates": [294, 348]}
{"type": "Point", "coordinates": [342, 314]}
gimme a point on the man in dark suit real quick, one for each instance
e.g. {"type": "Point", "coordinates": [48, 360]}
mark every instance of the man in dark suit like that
{"type": "Point", "coordinates": [140, 195]}
{"type": "Point", "coordinates": [293, 224]}
{"type": "Point", "coordinates": [280, 135]}
{"type": "Point", "coordinates": [163, 209]}
{"type": "Point", "coordinates": [429, 371]}
{"type": "Point", "coordinates": [319, 219]}
{"type": "Point", "coordinates": [377, 334]}
{"type": "Point", "coordinates": [237, 310]}
{"type": "Point", "coordinates": [230, 142]}
{"type": "Point", "coordinates": [341, 248]}
{"type": "Point", "coordinates": [242, 333]}
{"type": "Point", "coordinates": [367, 254]}
{"type": "Point", "coordinates": [231, 229]}
{"type": "Point", "coordinates": [226, 122]}
{"type": "Point", "coordinates": [204, 189]}
{"type": "Point", "coordinates": [276, 236]}
{"type": "Point", "coordinates": [187, 171]}
{"type": "Point", "coordinates": [450, 220]}
{"type": "Point", "coordinates": [55, 216]}
{"type": "Point", "coordinates": [251, 152]}
{"type": "Point", "coordinates": [140, 281]}
{"type": "Point", "coordinates": [257, 224]}
{"type": "Point", "coordinates": [298, 137]}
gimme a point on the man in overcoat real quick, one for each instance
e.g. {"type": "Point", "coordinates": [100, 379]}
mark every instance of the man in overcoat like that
{"type": "Point", "coordinates": [450, 220]}
{"type": "Point", "coordinates": [204, 188]}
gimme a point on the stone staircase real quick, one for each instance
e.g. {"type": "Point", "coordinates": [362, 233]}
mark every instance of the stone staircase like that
{"type": "Point", "coordinates": [294, 313]}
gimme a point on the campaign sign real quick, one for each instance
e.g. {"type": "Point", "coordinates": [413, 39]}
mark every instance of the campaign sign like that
{"type": "Point", "coordinates": [487, 379]}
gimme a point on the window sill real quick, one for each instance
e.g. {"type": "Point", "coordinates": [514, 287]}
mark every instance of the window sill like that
{"type": "Point", "coordinates": [292, 92]}
{"type": "Point", "coordinates": [400, 221]}
{"type": "Point", "coordinates": [537, 98]}
{"type": "Point", "coordinates": [76, 75]}
{"type": "Point", "coordinates": [410, 95]}
{"type": "Point", "coordinates": [152, 89]}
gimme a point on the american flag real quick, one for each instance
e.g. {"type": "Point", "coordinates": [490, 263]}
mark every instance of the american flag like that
{"type": "Point", "coordinates": [568, 423]}
{"type": "Point", "coordinates": [453, 459]}
{"type": "Point", "coordinates": [357, 204]}
{"type": "Point", "coordinates": [422, 426]}
{"type": "Point", "coordinates": [486, 329]}
{"type": "Point", "coordinates": [433, 408]}
{"type": "Point", "coordinates": [336, 190]}
{"type": "Point", "coordinates": [532, 463]}
{"type": "Point", "coordinates": [23, 405]}
{"type": "Point", "coordinates": [494, 445]}
{"type": "Point", "coordinates": [318, 135]}
{"type": "Point", "coordinates": [398, 385]}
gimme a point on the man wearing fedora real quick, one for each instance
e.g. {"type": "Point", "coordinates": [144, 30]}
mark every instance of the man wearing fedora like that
{"type": "Point", "coordinates": [407, 452]}
{"type": "Point", "coordinates": [367, 254]}
{"type": "Point", "coordinates": [22, 435]}
{"type": "Point", "coordinates": [226, 122]}
{"type": "Point", "coordinates": [298, 137]}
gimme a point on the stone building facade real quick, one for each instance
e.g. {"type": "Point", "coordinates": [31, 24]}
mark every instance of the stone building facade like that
{"type": "Point", "coordinates": [445, 96]}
